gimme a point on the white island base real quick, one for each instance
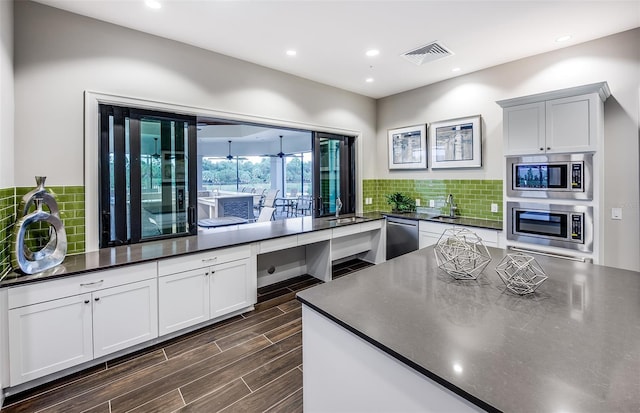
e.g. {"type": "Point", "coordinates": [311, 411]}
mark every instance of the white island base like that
{"type": "Point", "coordinates": [344, 373]}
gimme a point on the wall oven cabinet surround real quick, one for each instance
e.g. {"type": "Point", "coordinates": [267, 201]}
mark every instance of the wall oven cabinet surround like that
{"type": "Point", "coordinates": [566, 121]}
{"type": "Point", "coordinates": [566, 226]}
{"type": "Point", "coordinates": [63, 323]}
{"type": "Point", "coordinates": [565, 176]}
{"type": "Point", "coordinates": [197, 288]}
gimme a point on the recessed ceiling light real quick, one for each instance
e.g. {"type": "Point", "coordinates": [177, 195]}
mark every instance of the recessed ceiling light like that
{"type": "Point", "coordinates": [153, 4]}
{"type": "Point", "coordinates": [373, 52]}
{"type": "Point", "coordinates": [291, 52]}
{"type": "Point", "coordinates": [563, 38]}
{"type": "Point", "coordinates": [369, 80]}
{"type": "Point", "coordinates": [455, 69]}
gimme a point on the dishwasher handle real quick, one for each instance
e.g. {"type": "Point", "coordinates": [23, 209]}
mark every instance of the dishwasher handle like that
{"type": "Point", "coordinates": [404, 222]}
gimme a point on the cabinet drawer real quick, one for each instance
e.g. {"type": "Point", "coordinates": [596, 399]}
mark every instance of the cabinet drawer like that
{"type": "Point", "coordinates": [315, 236]}
{"type": "Point", "coordinates": [370, 226]}
{"type": "Point", "coordinates": [346, 230]}
{"type": "Point", "coordinates": [277, 244]}
{"type": "Point", "coordinates": [204, 259]}
{"type": "Point", "coordinates": [74, 285]}
{"type": "Point", "coordinates": [434, 227]}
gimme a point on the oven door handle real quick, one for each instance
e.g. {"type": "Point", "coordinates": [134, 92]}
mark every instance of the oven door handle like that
{"type": "Point", "coordinates": [550, 254]}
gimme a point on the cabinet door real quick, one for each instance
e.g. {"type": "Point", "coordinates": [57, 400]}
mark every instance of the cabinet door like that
{"type": "Point", "coordinates": [124, 316]}
{"type": "Point", "coordinates": [427, 238]}
{"type": "Point", "coordinates": [49, 337]}
{"type": "Point", "coordinates": [524, 129]}
{"type": "Point", "coordinates": [183, 300]}
{"type": "Point", "coordinates": [570, 124]}
{"type": "Point", "coordinates": [232, 287]}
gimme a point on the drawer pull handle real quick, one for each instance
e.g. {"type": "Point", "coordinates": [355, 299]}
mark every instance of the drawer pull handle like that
{"type": "Point", "coordinates": [209, 259]}
{"type": "Point", "coordinates": [97, 299]}
{"type": "Point", "coordinates": [91, 283]}
{"type": "Point", "coordinates": [86, 301]}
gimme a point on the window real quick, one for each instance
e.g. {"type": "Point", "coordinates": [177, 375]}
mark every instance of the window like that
{"type": "Point", "coordinates": [147, 175]}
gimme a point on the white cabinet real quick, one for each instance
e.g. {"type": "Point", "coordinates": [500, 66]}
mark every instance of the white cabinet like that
{"type": "Point", "coordinates": [184, 300]}
{"type": "Point", "coordinates": [231, 288]}
{"type": "Point", "coordinates": [213, 284]}
{"type": "Point", "coordinates": [565, 121]}
{"type": "Point", "coordinates": [430, 232]}
{"type": "Point", "coordinates": [60, 324]}
{"type": "Point", "coordinates": [49, 337]}
{"type": "Point", "coordinates": [124, 316]}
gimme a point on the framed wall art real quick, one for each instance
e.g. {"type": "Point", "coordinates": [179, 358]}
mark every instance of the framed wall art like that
{"type": "Point", "coordinates": [408, 147]}
{"type": "Point", "coordinates": [456, 143]}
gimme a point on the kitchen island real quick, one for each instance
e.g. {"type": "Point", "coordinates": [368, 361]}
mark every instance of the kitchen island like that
{"type": "Point", "coordinates": [405, 336]}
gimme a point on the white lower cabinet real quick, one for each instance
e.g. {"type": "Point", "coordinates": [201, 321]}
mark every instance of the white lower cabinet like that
{"type": "Point", "coordinates": [53, 335]}
{"type": "Point", "coordinates": [231, 288]}
{"type": "Point", "coordinates": [49, 337]}
{"type": "Point", "coordinates": [184, 300]}
{"type": "Point", "coordinates": [124, 316]}
{"type": "Point", "coordinates": [195, 296]}
{"type": "Point", "coordinates": [430, 232]}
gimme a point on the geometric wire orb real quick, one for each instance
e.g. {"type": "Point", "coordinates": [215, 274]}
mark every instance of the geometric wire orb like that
{"type": "Point", "coordinates": [461, 253]}
{"type": "Point", "coordinates": [521, 273]}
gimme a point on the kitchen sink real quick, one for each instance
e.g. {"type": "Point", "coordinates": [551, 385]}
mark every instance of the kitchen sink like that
{"type": "Point", "coordinates": [444, 218]}
{"type": "Point", "coordinates": [346, 220]}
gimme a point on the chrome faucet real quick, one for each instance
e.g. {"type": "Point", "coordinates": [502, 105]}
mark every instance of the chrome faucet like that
{"type": "Point", "coordinates": [338, 206]}
{"type": "Point", "coordinates": [452, 206]}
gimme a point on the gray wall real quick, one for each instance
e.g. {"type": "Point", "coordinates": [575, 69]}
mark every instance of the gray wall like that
{"type": "Point", "coordinates": [615, 59]}
{"type": "Point", "coordinates": [59, 55]}
{"type": "Point", "coordinates": [6, 94]}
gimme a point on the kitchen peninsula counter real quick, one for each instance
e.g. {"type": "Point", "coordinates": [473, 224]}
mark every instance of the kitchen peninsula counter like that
{"type": "Point", "coordinates": [114, 257]}
{"type": "Point", "coordinates": [107, 258]}
{"type": "Point", "coordinates": [573, 345]}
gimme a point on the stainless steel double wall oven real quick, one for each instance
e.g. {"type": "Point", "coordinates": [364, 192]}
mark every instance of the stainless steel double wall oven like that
{"type": "Point", "coordinates": [540, 191]}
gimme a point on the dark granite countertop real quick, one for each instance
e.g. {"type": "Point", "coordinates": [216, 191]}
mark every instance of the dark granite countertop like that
{"type": "Point", "coordinates": [467, 222]}
{"type": "Point", "coordinates": [573, 345]}
{"type": "Point", "coordinates": [107, 258]}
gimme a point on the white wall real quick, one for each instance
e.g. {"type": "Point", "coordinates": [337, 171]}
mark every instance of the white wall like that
{"type": "Point", "coordinates": [59, 55]}
{"type": "Point", "coordinates": [615, 59]}
{"type": "Point", "coordinates": [6, 94]}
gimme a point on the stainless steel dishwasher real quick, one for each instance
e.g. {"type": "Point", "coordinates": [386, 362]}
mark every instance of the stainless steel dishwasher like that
{"type": "Point", "coordinates": [402, 236]}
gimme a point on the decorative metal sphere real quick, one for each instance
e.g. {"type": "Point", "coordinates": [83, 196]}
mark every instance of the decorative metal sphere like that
{"type": "Point", "coordinates": [521, 273]}
{"type": "Point", "coordinates": [461, 253]}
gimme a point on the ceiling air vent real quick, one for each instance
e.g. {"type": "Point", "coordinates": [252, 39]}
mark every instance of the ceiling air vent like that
{"type": "Point", "coordinates": [427, 53]}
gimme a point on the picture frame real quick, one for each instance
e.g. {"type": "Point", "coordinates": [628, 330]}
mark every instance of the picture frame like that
{"type": "Point", "coordinates": [408, 147]}
{"type": "Point", "coordinates": [456, 143]}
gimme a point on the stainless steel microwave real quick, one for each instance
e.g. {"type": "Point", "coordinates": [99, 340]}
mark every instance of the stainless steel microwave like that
{"type": "Point", "coordinates": [565, 226]}
{"type": "Point", "coordinates": [561, 176]}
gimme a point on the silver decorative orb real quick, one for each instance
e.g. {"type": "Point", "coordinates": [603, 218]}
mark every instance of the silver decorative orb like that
{"type": "Point", "coordinates": [461, 253]}
{"type": "Point", "coordinates": [521, 273]}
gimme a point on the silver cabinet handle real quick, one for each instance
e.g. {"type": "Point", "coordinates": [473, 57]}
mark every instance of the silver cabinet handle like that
{"type": "Point", "coordinates": [91, 283]}
{"type": "Point", "coordinates": [205, 260]}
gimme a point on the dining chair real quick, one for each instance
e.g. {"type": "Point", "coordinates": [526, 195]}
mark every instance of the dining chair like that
{"type": "Point", "coordinates": [266, 214]}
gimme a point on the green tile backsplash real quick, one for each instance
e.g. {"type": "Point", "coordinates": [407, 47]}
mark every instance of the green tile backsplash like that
{"type": "Point", "coordinates": [7, 215]}
{"type": "Point", "coordinates": [70, 201]}
{"type": "Point", "coordinates": [472, 196]}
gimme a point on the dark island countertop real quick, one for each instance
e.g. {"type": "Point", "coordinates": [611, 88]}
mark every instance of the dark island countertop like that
{"type": "Point", "coordinates": [572, 346]}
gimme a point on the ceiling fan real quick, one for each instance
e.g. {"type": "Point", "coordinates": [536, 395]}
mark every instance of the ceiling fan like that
{"type": "Point", "coordinates": [280, 154]}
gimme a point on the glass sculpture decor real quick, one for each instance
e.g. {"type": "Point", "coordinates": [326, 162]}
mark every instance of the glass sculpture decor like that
{"type": "Point", "coordinates": [521, 273]}
{"type": "Point", "coordinates": [55, 249]}
{"type": "Point", "coordinates": [461, 253]}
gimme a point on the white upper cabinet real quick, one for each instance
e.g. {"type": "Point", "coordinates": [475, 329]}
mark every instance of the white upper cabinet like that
{"type": "Point", "coordinates": [565, 121]}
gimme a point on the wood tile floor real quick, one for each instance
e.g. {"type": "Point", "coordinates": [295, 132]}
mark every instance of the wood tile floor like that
{"type": "Point", "coordinates": [249, 363]}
